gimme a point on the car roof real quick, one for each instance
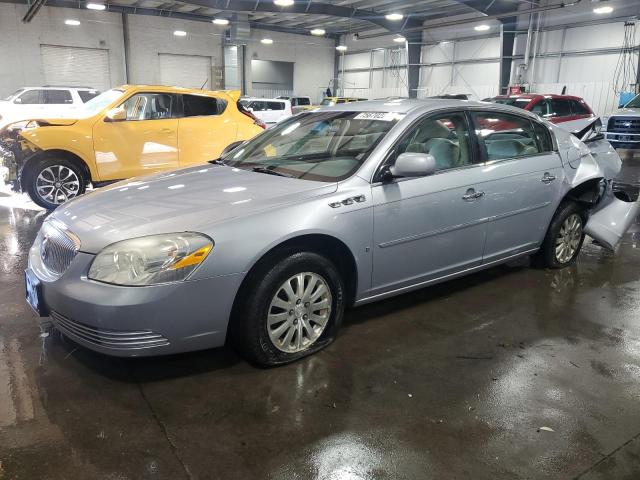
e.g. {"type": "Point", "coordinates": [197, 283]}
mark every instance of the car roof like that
{"type": "Point", "coordinates": [421, 106]}
{"type": "Point", "coordinates": [266, 99]}
{"type": "Point", "coordinates": [540, 95]}
{"type": "Point", "coordinates": [58, 87]}
{"type": "Point", "coordinates": [403, 105]}
{"type": "Point", "coordinates": [232, 94]}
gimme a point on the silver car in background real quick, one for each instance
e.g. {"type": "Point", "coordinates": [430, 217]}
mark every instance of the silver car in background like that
{"type": "Point", "coordinates": [332, 208]}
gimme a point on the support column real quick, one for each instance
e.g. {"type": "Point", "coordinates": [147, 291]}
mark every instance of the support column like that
{"type": "Point", "coordinates": [414, 50]}
{"type": "Point", "coordinates": [507, 39]}
{"type": "Point", "coordinates": [127, 51]}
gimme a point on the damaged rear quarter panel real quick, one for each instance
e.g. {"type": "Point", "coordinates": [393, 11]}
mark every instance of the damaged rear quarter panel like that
{"type": "Point", "coordinates": [612, 216]}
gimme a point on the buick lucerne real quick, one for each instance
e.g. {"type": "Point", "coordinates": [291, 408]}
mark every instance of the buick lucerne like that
{"type": "Point", "coordinates": [268, 244]}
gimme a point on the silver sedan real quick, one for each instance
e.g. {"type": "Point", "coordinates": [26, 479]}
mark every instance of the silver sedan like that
{"type": "Point", "coordinates": [337, 207]}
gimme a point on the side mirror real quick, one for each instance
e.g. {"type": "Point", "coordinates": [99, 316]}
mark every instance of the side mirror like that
{"type": "Point", "coordinates": [17, 100]}
{"type": "Point", "coordinates": [117, 114]}
{"type": "Point", "coordinates": [413, 165]}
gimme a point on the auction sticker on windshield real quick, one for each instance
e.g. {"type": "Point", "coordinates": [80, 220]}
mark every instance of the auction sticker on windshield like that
{"type": "Point", "coordinates": [382, 116]}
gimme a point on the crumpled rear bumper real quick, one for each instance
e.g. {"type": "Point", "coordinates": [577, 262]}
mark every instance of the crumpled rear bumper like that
{"type": "Point", "coordinates": [612, 217]}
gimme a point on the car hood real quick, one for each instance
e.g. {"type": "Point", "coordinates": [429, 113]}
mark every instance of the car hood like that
{"type": "Point", "coordinates": [632, 112]}
{"type": "Point", "coordinates": [190, 199]}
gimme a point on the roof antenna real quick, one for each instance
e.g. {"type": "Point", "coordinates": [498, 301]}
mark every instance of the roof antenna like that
{"type": "Point", "coordinates": [205, 82]}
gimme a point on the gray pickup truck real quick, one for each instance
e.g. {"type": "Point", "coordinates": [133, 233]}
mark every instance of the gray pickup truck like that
{"type": "Point", "coordinates": [622, 127]}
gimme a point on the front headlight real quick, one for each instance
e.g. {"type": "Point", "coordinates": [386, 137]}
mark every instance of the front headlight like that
{"type": "Point", "coordinates": [151, 260]}
{"type": "Point", "coordinates": [605, 122]}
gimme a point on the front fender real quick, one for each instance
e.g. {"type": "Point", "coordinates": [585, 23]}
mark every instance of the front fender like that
{"type": "Point", "coordinates": [76, 139]}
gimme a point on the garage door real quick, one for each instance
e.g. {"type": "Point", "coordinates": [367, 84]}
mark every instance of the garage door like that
{"type": "Point", "coordinates": [189, 71]}
{"type": "Point", "coordinates": [76, 67]}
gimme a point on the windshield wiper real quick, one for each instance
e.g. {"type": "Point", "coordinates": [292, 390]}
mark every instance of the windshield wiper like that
{"type": "Point", "coordinates": [270, 171]}
{"type": "Point", "coordinates": [217, 161]}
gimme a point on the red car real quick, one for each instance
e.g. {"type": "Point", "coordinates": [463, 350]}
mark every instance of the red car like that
{"type": "Point", "coordinates": [569, 112]}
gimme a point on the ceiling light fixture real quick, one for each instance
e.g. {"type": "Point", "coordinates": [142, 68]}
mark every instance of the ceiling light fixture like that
{"type": "Point", "coordinates": [73, 23]}
{"type": "Point", "coordinates": [341, 48]}
{"type": "Point", "coordinates": [220, 21]}
{"type": "Point", "coordinates": [266, 41]}
{"type": "Point", "coordinates": [96, 6]}
{"type": "Point", "coordinates": [394, 17]}
{"type": "Point", "coordinates": [481, 28]}
{"type": "Point", "coordinates": [180, 33]}
{"type": "Point", "coordinates": [283, 3]}
{"type": "Point", "coordinates": [601, 10]}
{"type": "Point", "coordinates": [400, 39]}
{"type": "Point", "coordinates": [318, 32]}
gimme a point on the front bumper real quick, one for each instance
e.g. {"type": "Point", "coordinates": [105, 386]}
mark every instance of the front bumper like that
{"type": "Point", "coordinates": [137, 321]}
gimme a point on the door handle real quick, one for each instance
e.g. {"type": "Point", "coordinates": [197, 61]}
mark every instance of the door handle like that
{"type": "Point", "coordinates": [547, 178]}
{"type": "Point", "coordinates": [166, 130]}
{"type": "Point", "coordinates": [472, 195]}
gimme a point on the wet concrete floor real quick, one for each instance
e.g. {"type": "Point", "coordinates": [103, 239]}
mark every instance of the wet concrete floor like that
{"type": "Point", "coordinates": [454, 381]}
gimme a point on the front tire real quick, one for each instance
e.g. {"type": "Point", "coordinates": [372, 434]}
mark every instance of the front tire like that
{"type": "Point", "coordinates": [50, 182]}
{"type": "Point", "coordinates": [564, 237]}
{"type": "Point", "coordinates": [288, 309]}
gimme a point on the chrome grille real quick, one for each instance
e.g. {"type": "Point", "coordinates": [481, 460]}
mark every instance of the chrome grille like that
{"type": "Point", "coordinates": [624, 125]}
{"type": "Point", "coordinates": [112, 339]}
{"type": "Point", "coordinates": [58, 247]}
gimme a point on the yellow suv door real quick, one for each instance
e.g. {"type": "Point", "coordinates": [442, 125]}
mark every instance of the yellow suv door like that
{"type": "Point", "coordinates": [204, 130]}
{"type": "Point", "coordinates": [145, 141]}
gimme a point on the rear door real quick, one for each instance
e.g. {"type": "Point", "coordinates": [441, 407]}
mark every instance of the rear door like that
{"type": "Point", "coordinates": [429, 227]}
{"type": "Point", "coordinates": [523, 176]}
{"type": "Point", "coordinates": [204, 130]}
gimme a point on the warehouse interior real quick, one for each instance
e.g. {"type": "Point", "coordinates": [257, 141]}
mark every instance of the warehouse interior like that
{"type": "Point", "coordinates": [516, 370]}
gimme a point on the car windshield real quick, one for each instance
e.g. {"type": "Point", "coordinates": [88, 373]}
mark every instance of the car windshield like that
{"type": "Point", "coordinates": [96, 104]}
{"type": "Point", "coordinates": [14, 94]}
{"type": "Point", "coordinates": [321, 146]}
{"type": "Point", "coordinates": [634, 103]}
{"type": "Point", "coordinates": [514, 102]}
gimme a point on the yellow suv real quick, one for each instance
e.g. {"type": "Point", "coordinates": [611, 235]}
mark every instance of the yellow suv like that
{"type": "Point", "coordinates": [122, 133]}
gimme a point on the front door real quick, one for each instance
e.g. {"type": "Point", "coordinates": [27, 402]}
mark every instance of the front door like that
{"type": "Point", "coordinates": [523, 181]}
{"type": "Point", "coordinates": [429, 227]}
{"type": "Point", "coordinates": [204, 131]}
{"type": "Point", "coordinates": [146, 142]}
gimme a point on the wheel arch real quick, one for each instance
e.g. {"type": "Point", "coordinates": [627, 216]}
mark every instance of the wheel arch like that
{"type": "Point", "coordinates": [58, 153]}
{"type": "Point", "coordinates": [324, 244]}
{"type": "Point", "coordinates": [587, 193]}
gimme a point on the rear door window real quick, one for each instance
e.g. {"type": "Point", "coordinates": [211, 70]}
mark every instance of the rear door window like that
{"type": "Point", "coordinates": [303, 101]}
{"type": "Point", "coordinates": [57, 97]}
{"type": "Point", "coordinates": [502, 135]}
{"type": "Point", "coordinates": [579, 108]}
{"type": "Point", "coordinates": [560, 108]}
{"type": "Point", "coordinates": [200, 105]}
{"type": "Point", "coordinates": [258, 106]}
{"type": "Point", "coordinates": [541, 107]}
{"type": "Point", "coordinates": [275, 105]}
{"type": "Point", "coordinates": [86, 95]}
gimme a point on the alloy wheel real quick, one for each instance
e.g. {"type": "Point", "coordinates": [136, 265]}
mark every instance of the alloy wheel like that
{"type": "Point", "coordinates": [568, 239]}
{"type": "Point", "coordinates": [299, 312]}
{"type": "Point", "coordinates": [57, 184]}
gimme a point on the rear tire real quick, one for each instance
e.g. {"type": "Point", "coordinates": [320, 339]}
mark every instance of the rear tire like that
{"type": "Point", "coordinates": [51, 181]}
{"type": "Point", "coordinates": [564, 237]}
{"type": "Point", "coordinates": [288, 308]}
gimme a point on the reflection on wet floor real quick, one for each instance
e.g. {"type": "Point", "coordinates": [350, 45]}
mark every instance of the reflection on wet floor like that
{"type": "Point", "coordinates": [453, 381]}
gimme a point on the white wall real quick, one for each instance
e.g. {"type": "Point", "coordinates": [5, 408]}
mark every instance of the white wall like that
{"type": "Point", "coordinates": [150, 36]}
{"type": "Point", "coordinates": [20, 42]}
{"type": "Point", "coordinates": [562, 62]}
{"type": "Point", "coordinates": [461, 66]}
{"type": "Point", "coordinates": [313, 59]}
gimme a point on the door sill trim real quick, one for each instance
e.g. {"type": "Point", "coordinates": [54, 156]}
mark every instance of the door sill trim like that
{"type": "Point", "coordinates": [416, 286]}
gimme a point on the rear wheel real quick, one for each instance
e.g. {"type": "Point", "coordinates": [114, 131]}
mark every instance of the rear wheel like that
{"type": "Point", "coordinates": [288, 309]}
{"type": "Point", "coordinates": [50, 182]}
{"type": "Point", "coordinates": [565, 236]}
